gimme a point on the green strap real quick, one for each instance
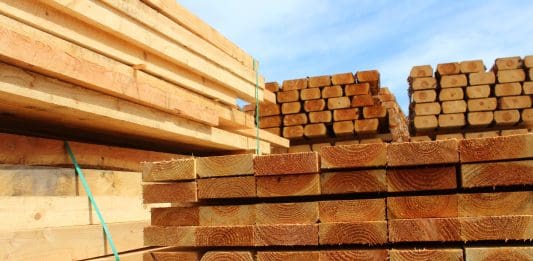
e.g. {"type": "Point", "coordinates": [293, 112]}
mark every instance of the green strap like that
{"type": "Point", "coordinates": [256, 107]}
{"type": "Point", "coordinates": [93, 201]}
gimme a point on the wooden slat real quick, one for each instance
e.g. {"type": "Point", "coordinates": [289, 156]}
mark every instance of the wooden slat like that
{"type": "Point", "coordinates": [272, 137]}
{"type": "Point", "coordinates": [495, 204]}
{"type": "Point", "coordinates": [422, 153]}
{"type": "Point", "coordinates": [497, 174]}
{"type": "Point", "coordinates": [268, 109]}
{"type": "Point", "coordinates": [420, 179]}
{"type": "Point", "coordinates": [286, 235]}
{"type": "Point", "coordinates": [126, 235]}
{"type": "Point", "coordinates": [480, 119]}
{"type": "Point", "coordinates": [497, 148]}
{"type": "Point", "coordinates": [162, 256]}
{"type": "Point", "coordinates": [175, 216]}
{"type": "Point", "coordinates": [353, 156]}
{"type": "Point", "coordinates": [182, 236]}
{"type": "Point", "coordinates": [281, 164]}
{"type": "Point", "coordinates": [445, 254]}
{"type": "Point", "coordinates": [225, 236]}
{"type": "Point", "coordinates": [288, 255]}
{"type": "Point", "coordinates": [231, 215]}
{"type": "Point", "coordinates": [352, 210]}
{"type": "Point", "coordinates": [500, 228]}
{"type": "Point", "coordinates": [37, 181]}
{"type": "Point", "coordinates": [366, 232]}
{"type": "Point", "coordinates": [287, 213]}
{"type": "Point", "coordinates": [177, 192]}
{"type": "Point", "coordinates": [288, 185]}
{"type": "Point", "coordinates": [412, 207]}
{"type": "Point", "coordinates": [231, 165]}
{"type": "Point", "coordinates": [174, 169]}
{"type": "Point", "coordinates": [228, 255]}
{"type": "Point", "coordinates": [499, 253]}
{"type": "Point", "coordinates": [356, 181]}
{"type": "Point", "coordinates": [424, 230]}
{"type": "Point", "coordinates": [363, 254]}
{"type": "Point", "coordinates": [227, 187]}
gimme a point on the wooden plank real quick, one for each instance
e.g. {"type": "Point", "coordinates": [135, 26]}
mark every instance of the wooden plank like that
{"type": "Point", "coordinates": [357, 89]}
{"type": "Point", "coordinates": [528, 61]}
{"type": "Point", "coordinates": [452, 120]}
{"type": "Point", "coordinates": [363, 254]}
{"type": "Point", "coordinates": [271, 136]}
{"type": "Point", "coordinates": [497, 174]}
{"type": "Point", "coordinates": [362, 100]}
{"type": "Point", "coordinates": [424, 96]}
{"type": "Point", "coordinates": [295, 163]}
{"type": "Point", "coordinates": [497, 148]}
{"type": "Point", "coordinates": [448, 68]}
{"type": "Point", "coordinates": [288, 185]}
{"type": "Point", "coordinates": [352, 210]}
{"type": "Point", "coordinates": [174, 169]}
{"type": "Point", "coordinates": [319, 81]}
{"type": "Point", "coordinates": [353, 156]}
{"type": "Point", "coordinates": [295, 119]}
{"type": "Point", "coordinates": [513, 132]}
{"type": "Point", "coordinates": [424, 230]}
{"type": "Point", "coordinates": [231, 215]}
{"type": "Point", "coordinates": [230, 165]}
{"type": "Point", "coordinates": [320, 116]}
{"type": "Point", "coordinates": [317, 147]}
{"type": "Point", "coordinates": [508, 63]}
{"type": "Point", "coordinates": [425, 123]}
{"type": "Point", "coordinates": [286, 235]}
{"type": "Point", "coordinates": [517, 75]}
{"type": "Point", "coordinates": [346, 114]}
{"type": "Point", "coordinates": [495, 204]}
{"type": "Point", "coordinates": [422, 153]}
{"type": "Point", "coordinates": [527, 117]}
{"type": "Point", "coordinates": [356, 181]}
{"type": "Point", "coordinates": [421, 179]}
{"type": "Point", "coordinates": [315, 130]}
{"type": "Point", "coordinates": [296, 84]}
{"type": "Point", "coordinates": [450, 81]}
{"type": "Point", "coordinates": [484, 134]}
{"type": "Point", "coordinates": [413, 207]}
{"type": "Point", "coordinates": [299, 148]}
{"type": "Point", "coordinates": [501, 228]}
{"type": "Point", "coordinates": [426, 254]}
{"type": "Point", "coordinates": [457, 106]}
{"type": "Point", "coordinates": [432, 108]}
{"type": "Point", "coordinates": [374, 111]}
{"type": "Point", "coordinates": [508, 89]}
{"type": "Point", "coordinates": [364, 233]}
{"type": "Point", "coordinates": [514, 102]}
{"type": "Point", "coordinates": [133, 32]}
{"type": "Point", "coordinates": [342, 78]}
{"type": "Point", "coordinates": [227, 255]}
{"type": "Point", "coordinates": [227, 187]}
{"type": "Point", "coordinates": [332, 91]}
{"type": "Point", "coordinates": [181, 236]}
{"type": "Point", "coordinates": [314, 105]}
{"type": "Point", "coordinates": [37, 181]}
{"type": "Point", "coordinates": [506, 117]}
{"type": "Point", "coordinates": [225, 236]}
{"type": "Point", "coordinates": [339, 103]}
{"type": "Point", "coordinates": [288, 255]}
{"type": "Point", "coordinates": [424, 83]}
{"type": "Point", "coordinates": [272, 86]}
{"type": "Point", "coordinates": [268, 109]}
{"type": "Point", "coordinates": [481, 78]}
{"type": "Point", "coordinates": [472, 66]}
{"type": "Point", "coordinates": [293, 132]}
{"type": "Point", "coordinates": [343, 128]}
{"type": "Point", "coordinates": [270, 121]}
{"type": "Point", "coordinates": [177, 192]}
{"type": "Point", "coordinates": [287, 213]}
{"type": "Point", "coordinates": [291, 107]}
{"type": "Point", "coordinates": [499, 253]}
{"type": "Point", "coordinates": [162, 256]}
{"type": "Point", "coordinates": [478, 91]}
{"type": "Point", "coordinates": [287, 96]}
{"type": "Point", "coordinates": [480, 118]}
{"type": "Point", "coordinates": [175, 216]}
{"type": "Point", "coordinates": [451, 94]}
{"type": "Point", "coordinates": [528, 86]}
{"type": "Point", "coordinates": [421, 71]}
{"type": "Point", "coordinates": [120, 209]}
{"type": "Point", "coordinates": [366, 126]}
{"type": "Point", "coordinates": [126, 235]}
{"type": "Point", "coordinates": [370, 76]}
{"type": "Point", "coordinates": [310, 94]}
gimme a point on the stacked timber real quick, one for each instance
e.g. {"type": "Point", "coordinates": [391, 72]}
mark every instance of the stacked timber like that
{"type": "Point", "coordinates": [463, 100]}
{"type": "Point", "coordinates": [341, 108]}
{"type": "Point", "coordinates": [435, 200]}
{"type": "Point", "coordinates": [137, 73]}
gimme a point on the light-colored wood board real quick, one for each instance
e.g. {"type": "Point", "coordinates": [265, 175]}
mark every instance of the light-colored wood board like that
{"type": "Point", "coordinates": [272, 86]}
{"type": "Point", "coordinates": [319, 81]}
{"type": "Point", "coordinates": [448, 68]}
{"type": "Point", "coordinates": [320, 116]}
{"type": "Point", "coordinates": [175, 216]}
{"type": "Point", "coordinates": [127, 236]}
{"type": "Point", "coordinates": [291, 107]}
{"type": "Point", "coordinates": [356, 181]}
{"type": "Point", "coordinates": [441, 254]}
{"type": "Point", "coordinates": [295, 84]}
{"type": "Point", "coordinates": [449, 136]}
{"type": "Point", "coordinates": [177, 192]}
{"type": "Point", "coordinates": [472, 66]}
{"type": "Point", "coordinates": [514, 102]}
{"type": "Point", "coordinates": [431, 108]}
{"type": "Point", "coordinates": [316, 130]}
{"type": "Point", "coordinates": [364, 233]}
{"type": "Point", "coordinates": [495, 174]}
{"type": "Point", "coordinates": [300, 148]}
{"type": "Point", "coordinates": [314, 105]}
{"type": "Point", "coordinates": [357, 89]}
{"type": "Point", "coordinates": [483, 104]}
{"type": "Point", "coordinates": [423, 83]}
{"type": "Point", "coordinates": [163, 255]}
{"type": "Point", "coordinates": [527, 117]}
{"type": "Point", "coordinates": [501, 228]}
{"type": "Point", "coordinates": [424, 96]}
{"type": "Point", "coordinates": [332, 91]}
{"type": "Point", "coordinates": [508, 63]}
{"type": "Point", "coordinates": [288, 185]}
{"type": "Point", "coordinates": [227, 187]}
{"type": "Point", "coordinates": [506, 117]}
{"type": "Point", "coordinates": [353, 156]}
{"type": "Point", "coordinates": [421, 71]}
{"type": "Point", "coordinates": [518, 253]}
{"type": "Point", "coordinates": [478, 91]}
{"type": "Point", "coordinates": [516, 75]}
{"type": "Point", "coordinates": [481, 78]}
{"type": "Point", "coordinates": [229, 215]}
{"type": "Point", "coordinates": [287, 213]}
{"type": "Point", "coordinates": [375, 111]}
{"type": "Point", "coordinates": [424, 230]}
{"type": "Point", "coordinates": [342, 78]}
{"type": "Point", "coordinates": [362, 254]}
{"type": "Point", "coordinates": [227, 255]}
{"type": "Point", "coordinates": [495, 204]}
{"type": "Point", "coordinates": [508, 89]}
{"type": "Point", "coordinates": [451, 94]}
{"type": "Point", "coordinates": [343, 128]}
{"type": "Point", "coordinates": [497, 148]}
{"type": "Point", "coordinates": [346, 114]}
{"type": "Point", "coordinates": [225, 236]}
{"type": "Point", "coordinates": [180, 236]}
{"type": "Point", "coordinates": [37, 181]}
{"type": "Point", "coordinates": [287, 255]}
{"type": "Point", "coordinates": [425, 123]}
{"type": "Point", "coordinates": [457, 106]}
{"type": "Point", "coordinates": [352, 210]}
{"type": "Point", "coordinates": [120, 209]}
{"type": "Point", "coordinates": [287, 96]}
{"type": "Point", "coordinates": [413, 207]}
{"type": "Point", "coordinates": [230, 165]}
{"type": "Point", "coordinates": [451, 81]}
{"type": "Point", "coordinates": [511, 132]}
{"type": "Point", "coordinates": [421, 179]}
{"type": "Point", "coordinates": [270, 121]}
{"type": "Point", "coordinates": [293, 132]}
{"type": "Point", "coordinates": [339, 103]}
{"type": "Point", "coordinates": [281, 164]}
{"type": "Point", "coordinates": [482, 134]}
{"type": "Point", "coordinates": [422, 153]}
{"type": "Point", "coordinates": [174, 169]}
{"type": "Point", "coordinates": [480, 118]}
{"type": "Point", "coordinates": [286, 235]}
{"type": "Point", "coordinates": [310, 94]}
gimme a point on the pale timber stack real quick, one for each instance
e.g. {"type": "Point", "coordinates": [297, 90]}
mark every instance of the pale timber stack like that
{"type": "Point", "coordinates": [128, 72]}
{"type": "Point", "coordinates": [463, 100]}
{"type": "Point", "coordinates": [343, 108]}
{"type": "Point", "coordinates": [436, 200]}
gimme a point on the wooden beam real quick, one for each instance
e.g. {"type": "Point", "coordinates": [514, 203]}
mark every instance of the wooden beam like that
{"type": "Point", "coordinates": [218, 236]}
{"type": "Point", "coordinates": [495, 204]}
{"type": "Point", "coordinates": [425, 96]}
{"type": "Point", "coordinates": [175, 216]}
{"type": "Point", "coordinates": [227, 255]}
{"type": "Point", "coordinates": [478, 91]}
{"type": "Point", "coordinates": [230, 165]}
{"type": "Point", "coordinates": [516, 75]}
{"type": "Point", "coordinates": [288, 255]}
{"type": "Point", "coordinates": [177, 192]}
{"type": "Point", "coordinates": [421, 179]}
{"type": "Point", "coordinates": [319, 81]}
{"type": "Point", "coordinates": [497, 148]}
{"type": "Point", "coordinates": [356, 181]}
{"type": "Point", "coordinates": [422, 153]}
{"type": "Point", "coordinates": [152, 255]}
{"type": "Point", "coordinates": [170, 170]}
{"type": "Point", "coordinates": [351, 210]}
{"type": "Point", "coordinates": [287, 213]}
{"type": "Point", "coordinates": [501, 228]}
{"type": "Point", "coordinates": [426, 254]}
{"type": "Point", "coordinates": [357, 254]}
{"type": "Point", "coordinates": [421, 71]}
{"type": "Point", "coordinates": [288, 185]}
{"type": "Point", "coordinates": [230, 215]}
{"type": "Point", "coordinates": [295, 84]}
{"type": "Point", "coordinates": [310, 94]}
{"type": "Point", "coordinates": [451, 81]}
{"type": "Point", "coordinates": [424, 230]}
{"type": "Point", "coordinates": [499, 253]}
{"type": "Point", "coordinates": [281, 164]}
{"type": "Point", "coordinates": [227, 187]}
{"type": "Point", "coordinates": [510, 173]}
{"type": "Point", "coordinates": [181, 236]}
{"type": "Point", "coordinates": [423, 83]}
{"type": "Point", "coordinates": [364, 233]}
{"type": "Point", "coordinates": [286, 235]}
{"type": "Point", "coordinates": [448, 68]}
{"type": "Point", "coordinates": [353, 156]}
{"type": "Point", "coordinates": [342, 78]}
{"type": "Point", "coordinates": [472, 66]}
{"type": "Point", "coordinates": [412, 207]}
{"type": "Point", "coordinates": [481, 78]}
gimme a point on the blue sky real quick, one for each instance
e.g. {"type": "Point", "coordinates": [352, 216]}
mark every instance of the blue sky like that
{"type": "Point", "coordinates": [298, 38]}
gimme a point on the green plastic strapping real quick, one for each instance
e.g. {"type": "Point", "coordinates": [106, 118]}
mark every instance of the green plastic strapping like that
{"type": "Point", "coordinates": [256, 107]}
{"type": "Point", "coordinates": [93, 201]}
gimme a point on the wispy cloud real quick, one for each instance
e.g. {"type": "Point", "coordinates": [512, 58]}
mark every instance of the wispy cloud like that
{"type": "Point", "coordinates": [300, 38]}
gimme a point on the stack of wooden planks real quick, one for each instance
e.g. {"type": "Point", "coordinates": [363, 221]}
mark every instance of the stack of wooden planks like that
{"type": "Point", "coordinates": [341, 108]}
{"type": "Point", "coordinates": [44, 210]}
{"type": "Point", "coordinates": [128, 72]}
{"type": "Point", "coordinates": [435, 200]}
{"type": "Point", "coordinates": [463, 100]}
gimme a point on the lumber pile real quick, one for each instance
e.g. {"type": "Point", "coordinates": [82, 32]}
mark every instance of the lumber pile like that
{"type": "Point", "coordinates": [398, 201]}
{"type": "Point", "coordinates": [133, 73]}
{"type": "Point", "coordinates": [342, 108]}
{"type": "Point", "coordinates": [463, 100]}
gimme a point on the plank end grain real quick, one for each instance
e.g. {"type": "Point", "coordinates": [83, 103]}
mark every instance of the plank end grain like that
{"type": "Point", "coordinates": [174, 169]}
{"type": "Point", "coordinates": [444, 254]}
{"type": "Point", "coordinates": [288, 185]}
{"type": "Point", "coordinates": [421, 179]}
{"type": "Point", "coordinates": [230, 165]}
{"type": "Point", "coordinates": [424, 230]}
{"type": "Point", "coordinates": [179, 192]}
{"type": "Point", "coordinates": [423, 153]}
{"type": "Point", "coordinates": [366, 233]}
{"type": "Point", "coordinates": [225, 236]}
{"type": "Point", "coordinates": [286, 235]}
{"type": "Point", "coordinates": [355, 181]}
{"type": "Point", "coordinates": [227, 187]}
{"type": "Point", "coordinates": [354, 156]}
{"type": "Point", "coordinates": [493, 174]}
{"type": "Point", "coordinates": [496, 148]}
{"type": "Point", "coordinates": [170, 236]}
{"type": "Point", "coordinates": [291, 163]}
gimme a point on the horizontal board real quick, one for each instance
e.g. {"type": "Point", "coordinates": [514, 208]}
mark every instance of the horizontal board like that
{"type": "Point", "coordinates": [353, 156]}
{"type": "Point", "coordinates": [287, 213]}
{"type": "Point", "coordinates": [497, 148]}
{"type": "Point", "coordinates": [288, 185]}
{"type": "Point", "coordinates": [495, 204]}
{"type": "Point", "coordinates": [352, 210]}
{"type": "Point", "coordinates": [230, 165]}
{"type": "Point", "coordinates": [177, 192]}
{"type": "Point", "coordinates": [494, 174]}
{"type": "Point", "coordinates": [365, 232]}
{"type": "Point", "coordinates": [227, 215]}
{"type": "Point", "coordinates": [499, 253]}
{"type": "Point", "coordinates": [412, 207]}
{"type": "Point", "coordinates": [424, 230]}
{"type": "Point", "coordinates": [422, 153]}
{"type": "Point", "coordinates": [292, 163]}
{"type": "Point", "coordinates": [445, 254]}
{"type": "Point", "coordinates": [227, 187]}
{"type": "Point", "coordinates": [174, 169]}
{"type": "Point", "coordinates": [286, 235]}
{"type": "Point", "coordinates": [421, 179]}
{"type": "Point", "coordinates": [354, 181]}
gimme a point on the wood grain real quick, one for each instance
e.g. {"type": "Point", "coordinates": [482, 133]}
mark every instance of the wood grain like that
{"type": "Point", "coordinates": [497, 174]}
{"type": "Point", "coordinates": [362, 100]}
{"type": "Point", "coordinates": [499, 253]}
{"type": "Point", "coordinates": [166, 256]}
{"type": "Point", "coordinates": [218, 236]}
{"type": "Point", "coordinates": [421, 71]}
{"type": "Point", "coordinates": [231, 165]}
{"type": "Point", "coordinates": [353, 156]}
{"type": "Point", "coordinates": [287, 255]}
{"type": "Point", "coordinates": [456, 80]}
{"type": "Point", "coordinates": [230, 215]}
{"type": "Point", "coordinates": [295, 84]}
{"type": "Point", "coordinates": [420, 179]}
{"type": "Point", "coordinates": [288, 185]}
{"type": "Point", "coordinates": [272, 86]}
{"type": "Point", "coordinates": [478, 91]}
{"type": "Point", "coordinates": [425, 123]}
{"type": "Point", "coordinates": [174, 169]}
{"type": "Point", "coordinates": [357, 89]}
{"type": "Point", "coordinates": [366, 255]}
{"type": "Point", "coordinates": [287, 213]}
{"type": "Point", "coordinates": [287, 96]}
{"type": "Point", "coordinates": [319, 81]}
{"type": "Point", "coordinates": [184, 236]}
{"type": "Point", "coordinates": [480, 118]}
{"type": "Point", "coordinates": [424, 96]}
{"type": "Point", "coordinates": [445, 254]}
{"type": "Point", "coordinates": [295, 119]}
{"type": "Point", "coordinates": [290, 107]}
{"type": "Point", "coordinates": [365, 232]}
{"type": "Point", "coordinates": [268, 109]}
{"type": "Point", "coordinates": [481, 78]}
{"type": "Point", "coordinates": [281, 164]}
{"type": "Point", "coordinates": [412, 207]}
{"type": "Point", "coordinates": [452, 121]}
{"type": "Point", "coordinates": [472, 66]}
{"type": "Point", "coordinates": [177, 192]}
{"type": "Point", "coordinates": [339, 103]}
{"type": "Point", "coordinates": [175, 216]}
{"type": "Point", "coordinates": [514, 102]}
{"type": "Point", "coordinates": [508, 63]}
{"type": "Point", "coordinates": [332, 91]}
{"type": "Point", "coordinates": [342, 78]}
{"type": "Point", "coordinates": [506, 117]}
{"type": "Point", "coordinates": [495, 204]}
{"type": "Point", "coordinates": [422, 153]}
{"type": "Point", "coordinates": [320, 116]}
{"type": "Point", "coordinates": [293, 132]}
{"type": "Point", "coordinates": [424, 83]}
{"type": "Point", "coordinates": [448, 68]}
{"type": "Point", "coordinates": [352, 210]}
{"type": "Point", "coordinates": [497, 148]}
{"type": "Point", "coordinates": [500, 228]}
{"type": "Point", "coordinates": [483, 104]}
{"type": "Point", "coordinates": [227, 187]}
{"type": "Point", "coordinates": [424, 230]}
{"type": "Point", "coordinates": [356, 181]}
{"type": "Point", "coordinates": [286, 235]}
{"type": "Point", "coordinates": [314, 105]}
{"type": "Point", "coordinates": [310, 94]}
{"type": "Point", "coordinates": [508, 89]}
{"type": "Point", "coordinates": [346, 114]}
{"type": "Point", "coordinates": [227, 255]}
{"type": "Point", "coordinates": [516, 75]}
